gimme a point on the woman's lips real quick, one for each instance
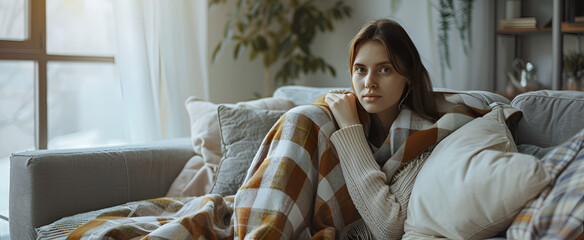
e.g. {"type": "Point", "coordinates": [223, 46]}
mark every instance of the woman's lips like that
{"type": "Point", "coordinates": [370, 98]}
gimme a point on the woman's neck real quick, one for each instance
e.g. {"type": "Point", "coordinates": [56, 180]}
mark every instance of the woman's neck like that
{"type": "Point", "coordinates": [380, 125]}
{"type": "Point", "coordinates": [387, 117]}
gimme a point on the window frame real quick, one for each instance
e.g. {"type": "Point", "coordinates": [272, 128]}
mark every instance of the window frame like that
{"type": "Point", "coordinates": [34, 49]}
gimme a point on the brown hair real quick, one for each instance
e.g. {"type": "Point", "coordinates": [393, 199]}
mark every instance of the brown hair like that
{"type": "Point", "coordinates": [406, 60]}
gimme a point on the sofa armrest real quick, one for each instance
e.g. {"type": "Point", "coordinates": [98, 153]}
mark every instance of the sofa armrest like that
{"type": "Point", "coordinates": [47, 185]}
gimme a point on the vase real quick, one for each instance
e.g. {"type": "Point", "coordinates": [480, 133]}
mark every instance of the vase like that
{"type": "Point", "coordinates": [512, 9]}
{"type": "Point", "coordinates": [573, 83]}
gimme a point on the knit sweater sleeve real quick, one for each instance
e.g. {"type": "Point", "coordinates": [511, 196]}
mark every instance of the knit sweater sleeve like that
{"type": "Point", "coordinates": [382, 207]}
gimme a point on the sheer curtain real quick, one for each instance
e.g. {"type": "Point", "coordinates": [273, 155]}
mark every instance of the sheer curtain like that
{"type": "Point", "coordinates": [162, 59]}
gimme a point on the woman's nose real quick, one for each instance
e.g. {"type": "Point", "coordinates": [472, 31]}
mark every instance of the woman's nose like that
{"type": "Point", "coordinates": [370, 81]}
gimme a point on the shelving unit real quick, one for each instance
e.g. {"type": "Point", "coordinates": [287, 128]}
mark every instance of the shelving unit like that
{"type": "Point", "coordinates": [558, 30]}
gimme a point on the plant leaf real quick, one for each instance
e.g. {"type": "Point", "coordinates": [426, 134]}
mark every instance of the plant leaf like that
{"type": "Point", "coordinates": [262, 43]}
{"type": "Point", "coordinates": [217, 51]}
{"type": "Point", "coordinates": [332, 70]}
{"type": "Point", "coordinates": [236, 51]}
{"type": "Point", "coordinates": [253, 54]}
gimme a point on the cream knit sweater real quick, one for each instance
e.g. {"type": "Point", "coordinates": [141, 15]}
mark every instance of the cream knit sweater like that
{"type": "Point", "coordinates": [381, 202]}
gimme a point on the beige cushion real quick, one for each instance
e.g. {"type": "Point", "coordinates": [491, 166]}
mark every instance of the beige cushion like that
{"type": "Point", "coordinates": [474, 183]}
{"type": "Point", "coordinates": [197, 177]}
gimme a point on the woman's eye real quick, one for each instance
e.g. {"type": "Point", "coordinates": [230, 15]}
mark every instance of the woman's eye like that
{"type": "Point", "coordinates": [385, 69]}
{"type": "Point", "coordinates": [360, 69]}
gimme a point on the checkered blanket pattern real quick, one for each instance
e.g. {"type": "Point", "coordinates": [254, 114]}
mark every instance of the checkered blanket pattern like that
{"type": "Point", "coordinates": [163, 218]}
{"type": "Point", "coordinates": [294, 188]}
{"type": "Point", "coordinates": [558, 212]}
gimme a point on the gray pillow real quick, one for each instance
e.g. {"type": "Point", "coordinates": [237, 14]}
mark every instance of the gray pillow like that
{"type": "Point", "coordinates": [242, 132]}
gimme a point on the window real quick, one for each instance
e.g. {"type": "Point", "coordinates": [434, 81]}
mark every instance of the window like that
{"type": "Point", "coordinates": [58, 83]}
{"type": "Point", "coordinates": [63, 50]}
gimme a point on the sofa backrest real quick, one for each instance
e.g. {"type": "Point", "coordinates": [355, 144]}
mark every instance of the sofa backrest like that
{"type": "Point", "coordinates": [302, 95]}
{"type": "Point", "coordinates": [549, 117]}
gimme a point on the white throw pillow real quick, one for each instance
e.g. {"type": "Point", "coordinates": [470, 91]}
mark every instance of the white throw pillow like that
{"type": "Point", "coordinates": [474, 183]}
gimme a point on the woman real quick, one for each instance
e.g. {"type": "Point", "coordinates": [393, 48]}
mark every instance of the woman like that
{"type": "Point", "coordinates": [387, 75]}
{"type": "Point", "coordinates": [366, 133]}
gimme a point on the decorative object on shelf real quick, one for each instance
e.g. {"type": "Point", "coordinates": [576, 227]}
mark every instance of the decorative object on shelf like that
{"type": "Point", "coordinates": [461, 16]}
{"type": "Point", "coordinates": [574, 69]}
{"type": "Point", "coordinates": [281, 30]}
{"type": "Point", "coordinates": [512, 9]}
{"type": "Point", "coordinates": [527, 78]}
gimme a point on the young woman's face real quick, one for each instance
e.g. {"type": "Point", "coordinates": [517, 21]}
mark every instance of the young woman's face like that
{"type": "Point", "coordinates": [377, 85]}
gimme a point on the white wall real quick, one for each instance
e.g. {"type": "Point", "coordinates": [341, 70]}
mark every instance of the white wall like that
{"type": "Point", "coordinates": [230, 80]}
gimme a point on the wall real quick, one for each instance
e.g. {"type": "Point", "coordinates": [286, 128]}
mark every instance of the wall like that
{"type": "Point", "coordinates": [230, 80]}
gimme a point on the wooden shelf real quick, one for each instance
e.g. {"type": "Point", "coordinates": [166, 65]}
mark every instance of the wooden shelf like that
{"type": "Point", "coordinates": [566, 28]}
{"type": "Point", "coordinates": [572, 27]}
{"type": "Point", "coordinates": [513, 31]}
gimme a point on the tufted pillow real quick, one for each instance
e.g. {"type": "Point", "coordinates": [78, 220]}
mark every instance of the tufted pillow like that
{"type": "Point", "coordinates": [199, 172]}
{"type": "Point", "coordinates": [474, 183]}
{"type": "Point", "coordinates": [242, 132]}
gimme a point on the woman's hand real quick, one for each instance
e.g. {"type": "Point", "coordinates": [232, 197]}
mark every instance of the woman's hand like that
{"type": "Point", "coordinates": [344, 108]}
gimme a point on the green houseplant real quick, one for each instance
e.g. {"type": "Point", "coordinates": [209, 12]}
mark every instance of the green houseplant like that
{"type": "Point", "coordinates": [459, 15]}
{"type": "Point", "coordinates": [280, 30]}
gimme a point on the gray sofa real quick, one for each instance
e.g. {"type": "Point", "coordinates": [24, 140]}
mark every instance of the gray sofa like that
{"type": "Point", "coordinates": [47, 185]}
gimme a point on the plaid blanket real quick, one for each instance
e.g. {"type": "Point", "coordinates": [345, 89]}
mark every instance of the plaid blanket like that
{"type": "Point", "coordinates": [558, 212]}
{"type": "Point", "coordinates": [294, 188]}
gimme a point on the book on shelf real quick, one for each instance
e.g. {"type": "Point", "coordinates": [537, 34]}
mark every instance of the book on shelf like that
{"type": "Point", "coordinates": [524, 22]}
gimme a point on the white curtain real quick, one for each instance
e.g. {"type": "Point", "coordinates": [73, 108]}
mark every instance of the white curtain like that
{"type": "Point", "coordinates": [161, 59]}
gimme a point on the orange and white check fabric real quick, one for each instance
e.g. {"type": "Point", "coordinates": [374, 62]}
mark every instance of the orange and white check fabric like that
{"type": "Point", "coordinates": [294, 188]}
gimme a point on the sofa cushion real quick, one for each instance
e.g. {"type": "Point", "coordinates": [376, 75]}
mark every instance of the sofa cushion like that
{"type": "Point", "coordinates": [473, 183]}
{"type": "Point", "coordinates": [199, 173]}
{"type": "Point", "coordinates": [242, 132]}
{"type": "Point", "coordinates": [549, 117]}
